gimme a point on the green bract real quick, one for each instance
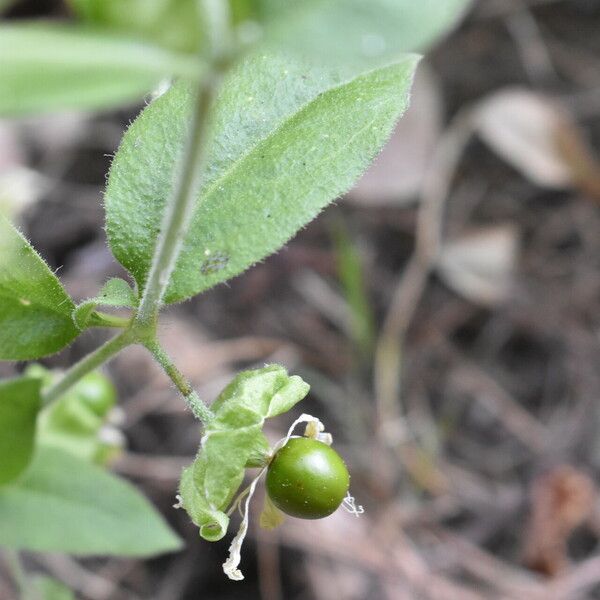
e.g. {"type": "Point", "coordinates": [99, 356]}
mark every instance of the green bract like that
{"type": "Point", "coordinates": [35, 310]}
{"type": "Point", "coordinates": [286, 140]}
{"type": "Point", "coordinates": [115, 292]}
{"type": "Point", "coordinates": [307, 479]}
{"type": "Point", "coordinates": [233, 440]}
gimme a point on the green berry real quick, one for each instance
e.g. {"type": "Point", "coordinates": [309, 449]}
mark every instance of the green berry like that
{"type": "Point", "coordinates": [97, 393]}
{"type": "Point", "coordinates": [307, 479]}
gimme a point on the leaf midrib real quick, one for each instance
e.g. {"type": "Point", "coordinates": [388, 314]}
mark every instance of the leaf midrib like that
{"type": "Point", "coordinates": [235, 165]}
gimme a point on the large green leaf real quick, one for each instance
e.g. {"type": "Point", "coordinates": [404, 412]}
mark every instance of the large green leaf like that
{"type": "Point", "coordinates": [35, 310]}
{"type": "Point", "coordinates": [232, 441]}
{"type": "Point", "coordinates": [173, 23]}
{"type": "Point", "coordinates": [370, 32]}
{"type": "Point", "coordinates": [286, 140]}
{"type": "Point", "coordinates": [45, 67]}
{"type": "Point", "coordinates": [64, 504]}
{"type": "Point", "coordinates": [19, 405]}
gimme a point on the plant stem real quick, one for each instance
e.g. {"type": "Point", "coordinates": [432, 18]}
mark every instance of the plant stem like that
{"type": "Point", "coordinates": [200, 410]}
{"type": "Point", "coordinates": [178, 213]}
{"type": "Point", "coordinates": [179, 206]}
{"type": "Point", "coordinates": [92, 361]}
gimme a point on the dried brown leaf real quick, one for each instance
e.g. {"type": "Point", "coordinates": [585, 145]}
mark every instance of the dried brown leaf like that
{"type": "Point", "coordinates": [480, 264]}
{"type": "Point", "coordinates": [522, 127]}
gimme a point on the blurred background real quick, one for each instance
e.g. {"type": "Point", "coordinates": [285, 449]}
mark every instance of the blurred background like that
{"type": "Point", "coordinates": [446, 313]}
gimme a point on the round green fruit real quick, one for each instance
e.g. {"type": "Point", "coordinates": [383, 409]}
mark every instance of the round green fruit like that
{"type": "Point", "coordinates": [97, 393]}
{"type": "Point", "coordinates": [307, 479]}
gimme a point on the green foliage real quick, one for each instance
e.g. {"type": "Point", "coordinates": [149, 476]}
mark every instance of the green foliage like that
{"type": "Point", "coordinates": [35, 310]}
{"type": "Point", "coordinates": [19, 406]}
{"type": "Point", "coordinates": [115, 292]}
{"type": "Point", "coordinates": [175, 24]}
{"type": "Point", "coordinates": [76, 421]}
{"type": "Point", "coordinates": [286, 140]}
{"type": "Point", "coordinates": [367, 32]}
{"type": "Point", "coordinates": [48, 67]}
{"type": "Point", "coordinates": [46, 588]}
{"type": "Point", "coordinates": [294, 125]}
{"type": "Point", "coordinates": [232, 440]}
{"type": "Point", "coordinates": [65, 504]}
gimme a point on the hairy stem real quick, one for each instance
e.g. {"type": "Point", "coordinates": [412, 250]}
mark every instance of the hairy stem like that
{"type": "Point", "coordinates": [179, 207]}
{"type": "Point", "coordinates": [92, 361]}
{"type": "Point", "coordinates": [200, 410]}
{"type": "Point", "coordinates": [178, 213]}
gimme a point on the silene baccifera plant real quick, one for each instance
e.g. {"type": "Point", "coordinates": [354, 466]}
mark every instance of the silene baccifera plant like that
{"type": "Point", "coordinates": [259, 114]}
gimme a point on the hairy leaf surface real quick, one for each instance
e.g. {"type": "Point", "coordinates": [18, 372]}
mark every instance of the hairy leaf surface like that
{"type": "Point", "coordinates": [35, 310]}
{"type": "Point", "coordinates": [286, 140]}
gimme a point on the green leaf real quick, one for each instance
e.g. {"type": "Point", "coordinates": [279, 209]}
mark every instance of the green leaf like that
{"type": "Point", "coordinates": [77, 421]}
{"type": "Point", "coordinates": [35, 310]}
{"type": "Point", "coordinates": [232, 441]}
{"type": "Point", "coordinates": [369, 32]}
{"type": "Point", "coordinates": [47, 588]}
{"type": "Point", "coordinates": [287, 139]}
{"type": "Point", "coordinates": [48, 67]}
{"type": "Point", "coordinates": [64, 504]}
{"type": "Point", "coordinates": [172, 23]}
{"type": "Point", "coordinates": [115, 292]}
{"type": "Point", "coordinates": [19, 405]}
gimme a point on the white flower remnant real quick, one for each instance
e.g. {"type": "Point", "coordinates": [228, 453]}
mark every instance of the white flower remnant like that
{"type": "Point", "coordinates": [230, 566]}
{"type": "Point", "coordinates": [314, 430]}
{"type": "Point", "coordinates": [349, 505]}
